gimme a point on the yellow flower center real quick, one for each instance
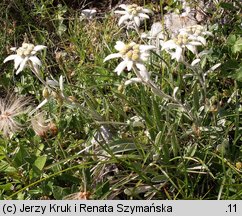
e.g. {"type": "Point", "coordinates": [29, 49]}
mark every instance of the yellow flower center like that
{"type": "Point", "coordinates": [25, 49]}
{"type": "Point", "coordinates": [131, 51]}
{"type": "Point", "coordinates": [134, 9]}
{"type": "Point", "coordinates": [30, 47]}
{"type": "Point", "coordinates": [139, 8]}
{"type": "Point", "coordinates": [129, 54]}
{"type": "Point", "coordinates": [27, 52]}
{"type": "Point", "coordinates": [136, 47]}
{"type": "Point", "coordinates": [136, 51]}
{"type": "Point", "coordinates": [134, 12]}
{"type": "Point", "coordinates": [135, 57]}
{"type": "Point", "coordinates": [181, 39]}
{"type": "Point", "coordinates": [20, 52]}
{"type": "Point", "coordinates": [124, 50]}
{"type": "Point", "coordinates": [25, 45]}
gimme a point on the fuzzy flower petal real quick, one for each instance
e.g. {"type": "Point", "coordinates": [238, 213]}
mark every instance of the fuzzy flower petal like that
{"type": "Point", "coordinates": [35, 60]}
{"type": "Point", "coordinates": [137, 21]}
{"type": "Point", "coordinates": [194, 62]}
{"type": "Point", "coordinates": [119, 45]}
{"type": "Point", "coordinates": [22, 65]}
{"type": "Point", "coordinates": [122, 65]}
{"type": "Point", "coordinates": [143, 15]}
{"type": "Point", "coordinates": [39, 47]}
{"type": "Point", "coordinates": [112, 56]}
{"type": "Point", "coordinates": [17, 61]}
{"type": "Point", "coordinates": [132, 80]}
{"type": "Point", "coordinates": [123, 19]}
{"type": "Point", "coordinates": [9, 58]}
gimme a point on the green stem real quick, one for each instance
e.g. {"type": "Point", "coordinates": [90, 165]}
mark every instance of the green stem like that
{"type": "Point", "coordinates": [161, 94]}
{"type": "Point", "coordinates": [83, 165]}
{"type": "Point", "coordinates": [236, 113]}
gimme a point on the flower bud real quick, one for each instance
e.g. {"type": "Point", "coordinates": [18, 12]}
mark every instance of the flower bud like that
{"type": "Point", "coordinates": [72, 99]}
{"type": "Point", "coordinates": [20, 52]}
{"type": "Point", "coordinates": [58, 97]}
{"type": "Point", "coordinates": [135, 57]}
{"type": "Point", "coordinates": [129, 54]}
{"type": "Point", "coordinates": [134, 12]}
{"type": "Point", "coordinates": [30, 47]}
{"type": "Point", "coordinates": [120, 88]}
{"type": "Point", "coordinates": [26, 52]}
{"type": "Point", "coordinates": [136, 51]}
{"type": "Point", "coordinates": [198, 32]}
{"type": "Point", "coordinates": [238, 165]}
{"type": "Point", "coordinates": [184, 40]}
{"type": "Point", "coordinates": [179, 41]}
{"type": "Point", "coordinates": [139, 8]}
{"type": "Point", "coordinates": [54, 94]}
{"type": "Point", "coordinates": [123, 51]}
{"type": "Point", "coordinates": [25, 45]}
{"type": "Point", "coordinates": [46, 92]}
{"type": "Point", "coordinates": [136, 47]}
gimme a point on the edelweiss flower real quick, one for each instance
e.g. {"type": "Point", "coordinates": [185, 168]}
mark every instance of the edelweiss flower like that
{"type": "Point", "coordinates": [132, 13]}
{"type": "Point", "coordinates": [10, 107]}
{"type": "Point", "coordinates": [25, 57]}
{"type": "Point", "coordinates": [196, 33]}
{"type": "Point", "coordinates": [43, 126]}
{"type": "Point", "coordinates": [179, 43]}
{"type": "Point", "coordinates": [39, 124]}
{"type": "Point", "coordinates": [132, 54]}
{"type": "Point", "coordinates": [88, 13]}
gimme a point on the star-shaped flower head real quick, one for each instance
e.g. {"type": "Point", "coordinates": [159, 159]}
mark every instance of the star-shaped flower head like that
{"type": "Point", "coordinates": [25, 56]}
{"type": "Point", "coordinates": [196, 33]}
{"type": "Point", "coordinates": [132, 54]}
{"type": "Point", "coordinates": [88, 13]}
{"type": "Point", "coordinates": [179, 44]}
{"type": "Point", "coordinates": [132, 13]}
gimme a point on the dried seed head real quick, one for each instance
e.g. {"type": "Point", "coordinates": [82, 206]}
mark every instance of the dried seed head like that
{"type": "Point", "coordinates": [53, 128]}
{"type": "Point", "coordinates": [39, 124]}
{"type": "Point", "coordinates": [10, 107]}
{"type": "Point", "coordinates": [43, 126]}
